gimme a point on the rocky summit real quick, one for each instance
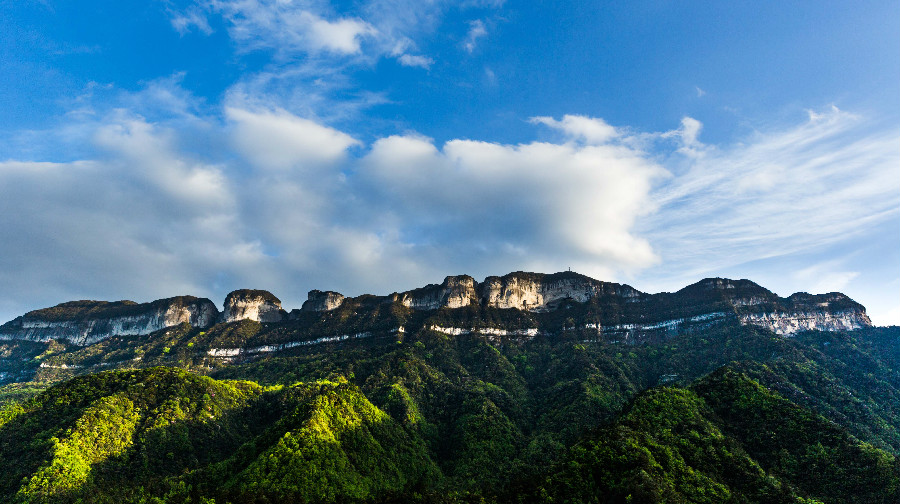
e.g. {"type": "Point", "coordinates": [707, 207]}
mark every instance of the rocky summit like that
{"type": "Point", "coordinates": [258, 305]}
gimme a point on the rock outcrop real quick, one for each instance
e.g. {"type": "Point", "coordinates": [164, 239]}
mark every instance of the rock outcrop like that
{"type": "Point", "coordinates": [806, 312]}
{"type": "Point", "coordinates": [788, 323]}
{"type": "Point", "coordinates": [520, 290]}
{"type": "Point", "coordinates": [258, 305]}
{"type": "Point", "coordinates": [755, 305]}
{"type": "Point", "coordinates": [454, 292]}
{"type": "Point", "coordinates": [540, 292]}
{"type": "Point", "coordinates": [319, 301]}
{"type": "Point", "coordinates": [87, 322]}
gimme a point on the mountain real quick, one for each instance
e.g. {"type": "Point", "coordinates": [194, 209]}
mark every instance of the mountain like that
{"type": "Point", "coordinates": [521, 388]}
{"type": "Point", "coordinates": [618, 309]}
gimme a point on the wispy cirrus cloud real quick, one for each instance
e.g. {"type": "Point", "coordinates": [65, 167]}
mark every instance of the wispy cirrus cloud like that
{"type": "Point", "coordinates": [284, 27]}
{"type": "Point", "coordinates": [311, 48]}
{"type": "Point", "coordinates": [827, 276]}
{"type": "Point", "coordinates": [372, 30]}
{"type": "Point", "coordinates": [187, 20]}
{"type": "Point", "coordinates": [776, 193]}
{"type": "Point", "coordinates": [477, 30]}
{"type": "Point", "coordinates": [415, 61]}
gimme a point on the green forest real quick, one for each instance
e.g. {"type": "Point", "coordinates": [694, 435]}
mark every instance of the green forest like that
{"type": "Point", "coordinates": [730, 414]}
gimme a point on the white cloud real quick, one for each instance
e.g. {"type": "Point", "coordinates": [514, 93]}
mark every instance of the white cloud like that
{"type": "Point", "coordinates": [688, 134]}
{"type": "Point", "coordinates": [342, 36]}
{"type": "Point", "coordinates": [148, 153]}
{"type": "Point", "coordinates": [183, 22]}
{"type": "Point", "coordinates": [591, 130]}
{"type": "Point", "coordinates": [530, 201]}
{"type": "Point", "coordinates": [892, 317]}
{"type": "Point", "coordinates": [141, 222]}
{"type": "Point", "coordinates": [292, 211]}
{"type": "Point", "coordinates": [477, 30]}
{"type": "Point", "coordinates": [286, 27]}
{"type": "Point", "coordinates": [280, 140]}
{"type": "Point", "coordinates": [415, 61]}
{"type": "Point", "coordinates": [690, 130]}
{"type": "Point", "coordinates": [490, 76]}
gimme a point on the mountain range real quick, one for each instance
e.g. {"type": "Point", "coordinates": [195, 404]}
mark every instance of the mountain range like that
{"type": "Point", "coordinates": [523, 388]}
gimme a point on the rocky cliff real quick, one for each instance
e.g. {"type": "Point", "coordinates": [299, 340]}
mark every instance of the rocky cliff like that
{"type": "Point", "coordinates": [86, 322]}
{"type": "Point", "coordinates": [754, 305]}
{"type": "Point", "coordinates": [536, 292]}
{"type": "Point", "coordinates": [615, 311]}
{"type": "Point", "coordinates": [322, 301]}
{"type": "Point", "coordinates": [258, 305]}
{"type": "Point", "coordinates": [539, 292]}
{"type": "Point", "coordinates": [627, 312]}
{"type": "Point", "coordinates": [454, 292]}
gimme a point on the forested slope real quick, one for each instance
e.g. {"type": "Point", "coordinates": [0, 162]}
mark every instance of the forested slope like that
{"type": "Point", "coordinates": [732, 414]}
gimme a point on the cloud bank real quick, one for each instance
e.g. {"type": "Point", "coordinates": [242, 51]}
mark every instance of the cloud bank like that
{"type": "Point", "coordinates": [288, 204]}
{"type": "Point", "coordinates": [290, 208]}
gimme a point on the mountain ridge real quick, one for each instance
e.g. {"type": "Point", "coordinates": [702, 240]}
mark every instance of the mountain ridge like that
{"type": "Point", "coordinates": [87, 322]}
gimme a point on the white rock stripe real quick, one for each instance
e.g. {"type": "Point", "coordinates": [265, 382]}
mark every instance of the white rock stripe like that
{"type": "Point", "coordinates": [234, 352]}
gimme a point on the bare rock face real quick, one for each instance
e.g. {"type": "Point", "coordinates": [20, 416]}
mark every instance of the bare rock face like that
{"type": "Point", "coordinates": [519, 290]}
{"type": "Point", "coordinates": [786, 323]}
{"type": "Point", "coordinates": [755, 305]}
{"type": "Point", "coordinates": [318, 300]}
{"type": "Point", "coordinates": [512, 292]}
{"type": "Point", "coordinates": [87, 322]}
{"type": "Point", "coordinates": [454, 292]}
{"type": "Point", "coordinates": [540, 292]}
{"type": "Point", "coordinates": [807, 312]}
{"type": "Point", "coordinates": [258, 305]}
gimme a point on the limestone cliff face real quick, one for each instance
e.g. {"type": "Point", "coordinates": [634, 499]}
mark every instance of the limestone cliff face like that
{"type": "Point", "coordinates": [806, 312]}
{"type": "Point", "coordinates": [709, 301]}
{"type": "Point", "coordinates": [258, 305]}
{"type": "Point", "coordinates": [454, 292]}
{"type": "Point", "coordinates": [318, 300]}
{"type": "Point", "coordinates": [520, 290]}
{"type": "Point", "coordinates": [789, 323]}
{"type": "Point", "coordinates": [539, 292]}
{"type": "Point", "coordinates": [87, 322]}
{"type": "Point", "coordinates": [755, 305]}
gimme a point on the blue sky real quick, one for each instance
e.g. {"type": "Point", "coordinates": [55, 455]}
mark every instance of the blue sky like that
{"type": "Point", "coordinates": [151, 149]}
